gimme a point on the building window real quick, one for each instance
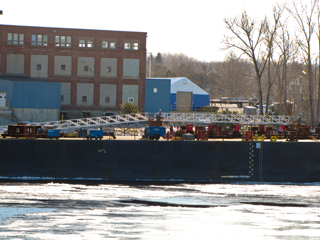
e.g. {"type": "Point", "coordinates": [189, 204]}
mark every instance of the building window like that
{"type": "Point", "coordinates": [82, 43]}
{"type": "Point", "coordinates": [63, 67]}
{"type": "Point", "coordinates": [86, 43]}
{"type": "Point", "coordinates": [15, 39]}
{"type": "Point", "coordinates": [39, 40]}
{"type": "Point", "coordinates": [108, 69]}
{"type": "Point", "coordinates": [135, 46]}
{"type": "Point", "coordinates": [131, 45]}
{"type": "Point", "coordinates": [127, 45]}
{"type": "Point", "coordinates": [21, 39]}
{"type": "Point", "coordinates": [62, 98]}
{"type": "Point", "coordinates": [107, 99]}
{"type": "Point", "coordinates": [86, 68]}
{"type": "Point", "coordinates": [68, 41]}
{"type": "Point", "coordinates": [38, 66]}
{"type": "Point", "coordinates": [113, 45]}
{"type": "Point", "coordinates": [155, 90]}
{"type": "Point", "coordinates": [63, 41]}
{"type": "Point", "coordinates": [105, 44]}
{"type": "Point", "coordinates": [89, 44]}
{"type": "Point", "coordinates": [130, 100]}
{"type": "Point", "coordinates": [84, 98]}
{"type": "Point", "coordinates": [109, 44]}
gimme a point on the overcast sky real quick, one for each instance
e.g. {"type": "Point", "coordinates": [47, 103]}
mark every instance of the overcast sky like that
{"type": "Point", "coordinates": [194, 28]}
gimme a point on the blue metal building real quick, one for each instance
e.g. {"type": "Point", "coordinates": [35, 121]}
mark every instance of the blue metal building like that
{"type": "Point", "coordinates": [157, 95]}
{"type": "Point", "coordinates": [31, 99]}
{"type": "Point", "coordinates": [184, 95]}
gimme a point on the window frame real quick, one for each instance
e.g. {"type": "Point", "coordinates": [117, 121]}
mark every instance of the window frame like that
{"type": "Point", "coordinates": [131, 44]}
{"type": "Point", "coordinates": [63, 41]}
{"type": "Point", "coordinates": [86, 43]}
{"type": "Point", "coordinates": [15, 38]}
{"type": "Point", "coordinates": [40, 40]}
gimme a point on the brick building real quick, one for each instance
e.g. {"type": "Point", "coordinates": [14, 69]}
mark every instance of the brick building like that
{"type": "Point", "coordinates": [98, 70]}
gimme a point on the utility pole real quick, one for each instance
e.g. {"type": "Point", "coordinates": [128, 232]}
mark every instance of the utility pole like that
{"type": "Point", "coordinates": [150, 56]}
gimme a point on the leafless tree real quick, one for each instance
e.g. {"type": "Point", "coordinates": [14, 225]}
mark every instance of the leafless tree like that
{"type": "Point", "coordinates": [248, 36]}
{"type": "Point", "coordinates": [235, 77]}
{"type": "Point", "coordinates": [318, 36]}
{"type": "Point", "coordinates": [286, 49]}
{"type": "Point", "coordinates": [303, 14]}
{"type": "Point", "coordinates": [270, 33]}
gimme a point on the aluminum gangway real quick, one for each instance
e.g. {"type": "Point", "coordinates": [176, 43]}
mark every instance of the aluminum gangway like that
{"type": "Point", "coordinates": [226, 118]}
{"type": "Point", "coordinates": [134, 119]}
{"type": "Point", "coordinates": [141, 120]}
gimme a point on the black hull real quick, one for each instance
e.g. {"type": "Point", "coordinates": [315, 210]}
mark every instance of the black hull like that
{"type": "Point", "coordinates": [194, 161]}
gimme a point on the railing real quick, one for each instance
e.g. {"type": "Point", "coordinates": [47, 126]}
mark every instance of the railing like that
{"type": "Point", "coordinates": [225, 118]}
{"type": "Point", "coordinates": [96, 122]}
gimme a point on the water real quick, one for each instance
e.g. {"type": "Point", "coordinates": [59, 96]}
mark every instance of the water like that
{"type": "Point", "coordinates": [182, 211]}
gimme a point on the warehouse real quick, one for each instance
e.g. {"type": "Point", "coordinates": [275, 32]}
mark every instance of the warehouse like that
{"type": "Point", "coordinates": [30, 99]}
{"type": "Point", "coordinates": [157, 95]}
{"type": "Point", "coordinates": [183, 94]}
{"type": "Point", "coordinates": [98, 69]}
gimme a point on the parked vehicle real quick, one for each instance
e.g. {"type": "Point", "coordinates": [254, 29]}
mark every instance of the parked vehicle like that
{"type": "Point", "coordinates": [94, 133]}
{"type": "Point", "coordinates": [155, 132]}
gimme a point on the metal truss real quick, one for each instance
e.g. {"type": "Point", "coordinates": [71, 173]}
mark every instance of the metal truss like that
{"type": "Point", "coordinates": [96, 122]}
{"type": "Point", "coordinates": [226, 118]}
{"type": "Point", "coordinates": [141, 119]}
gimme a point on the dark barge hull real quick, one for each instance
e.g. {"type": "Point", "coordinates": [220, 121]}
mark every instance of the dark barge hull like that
{"type": "Point", "coordinates": [195, 161]}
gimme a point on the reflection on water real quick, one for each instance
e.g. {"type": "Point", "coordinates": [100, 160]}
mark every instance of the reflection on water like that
{"type": "Point", "coordinates": [182, 211]}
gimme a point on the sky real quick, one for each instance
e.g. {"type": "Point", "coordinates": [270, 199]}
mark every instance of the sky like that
{"type": "Point", "coordinates": [194, 28]}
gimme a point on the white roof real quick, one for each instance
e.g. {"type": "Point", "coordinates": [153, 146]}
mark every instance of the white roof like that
{"type": "Point", "coordinates": [183, 84]}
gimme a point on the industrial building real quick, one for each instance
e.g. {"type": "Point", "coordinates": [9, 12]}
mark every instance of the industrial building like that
{"type": "Point", "coordinates": [30, 99]}
{"type": "Point", "coordinates": [98, 70]}
{"type": "Point", "coordinates": [174, 94]}
{"type": "Point", "coordinates": [157, 95]}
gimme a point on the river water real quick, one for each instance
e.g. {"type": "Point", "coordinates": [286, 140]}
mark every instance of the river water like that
{"type": "Point", "coordinates": [47, 210]}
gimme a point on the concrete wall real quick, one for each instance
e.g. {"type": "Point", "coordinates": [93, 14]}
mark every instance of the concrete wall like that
{"type": "Point", "coordinates": [66, 93]}
{"type": "Point", "coordinates": [108, 95]}
{"type": "Point", "coordinates": [109, 67]}
{"type": "Point", "coordinates": [131, 67]}
{"type": "Point", "coordinates": [130, 92]}
{"type": "Point", "coordinates": [85, 90]}
{"type": "Point", "coordinates": [15, 64]}
{"type": "Point", "coordinates": [85, 67]}
{"type": "Point", "coordinates": [35, 115]}
{"type": "Point", "coordinates": [66, 61]}
{"type": "Point", "coordinates": [39, 66]}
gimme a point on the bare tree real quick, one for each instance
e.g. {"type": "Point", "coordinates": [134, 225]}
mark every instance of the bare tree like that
{"type": "Point", "coordinates": [236, 77]}
{"type": "Point", "coordinates": [318, 36]}
{"type": "Point", "coordinates": [247, 36]}
{"type": "Point", "coordinates": [303, 14]}
{"type": "Point", "coordinates": [270, 33]}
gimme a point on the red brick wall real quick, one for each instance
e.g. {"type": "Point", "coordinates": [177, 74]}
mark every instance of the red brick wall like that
{"type": "Point", "coordinates": [97, 52]}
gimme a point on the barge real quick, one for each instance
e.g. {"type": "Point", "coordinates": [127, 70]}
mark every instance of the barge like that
{"type": "Point", "coordinates": [179, 161]}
